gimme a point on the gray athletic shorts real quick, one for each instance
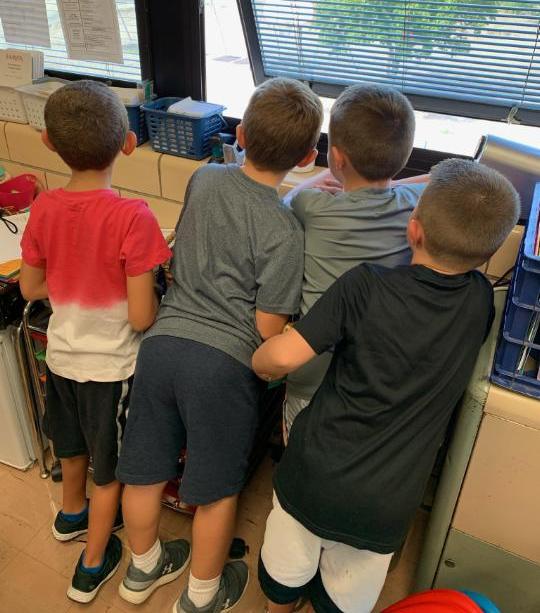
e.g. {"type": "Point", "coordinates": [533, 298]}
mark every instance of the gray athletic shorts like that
{"type": "Point", "coordinates": [187, 394]}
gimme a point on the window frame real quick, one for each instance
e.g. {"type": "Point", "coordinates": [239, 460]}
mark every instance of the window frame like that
{"type": "Point", "coordinates": [432, 104]}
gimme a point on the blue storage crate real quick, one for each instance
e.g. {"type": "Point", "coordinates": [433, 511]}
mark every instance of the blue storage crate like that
{"type": "Point", "coordinates": [517, 358]}
{"type": "Point", "coordinates": [137, 122]}
{"type": "Point", "coordinates": [180, 135]}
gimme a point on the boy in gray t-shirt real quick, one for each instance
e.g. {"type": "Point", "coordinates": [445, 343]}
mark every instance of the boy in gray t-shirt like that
{"type": "Point", "coordinates": [370, 139]}
{"type": "Point", "coordinates": [237, 269]}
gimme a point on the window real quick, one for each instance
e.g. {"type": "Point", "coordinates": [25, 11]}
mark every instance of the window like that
{"type": "Point", "coordinates": [56, 58]}
{"type": "Point", "coordinates": [230, 82]}
{"type": "Point", "coordinates": [483, 56]}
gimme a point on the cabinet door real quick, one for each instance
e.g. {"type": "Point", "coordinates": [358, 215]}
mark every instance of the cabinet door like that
{"type": "Point", "coordinates": [511, 582]}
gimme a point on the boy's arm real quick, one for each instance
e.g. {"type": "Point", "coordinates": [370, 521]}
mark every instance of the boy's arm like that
{"type": "Point", "coordinates": [142, 301]}
{"type": "Point", "coordinates": [409, 180]}
{"type": "Point", "coordinates": [281, 355]}
{"type": "Point", "coordinates": [323, 327]}
{"type": "Point", "coordinates": [325, 180]}
{"type": "Point", "coordinates": [142, 250]}
{"type": "Point", "coordinates": [33, 282]}
{"type": "Point", "coordinates": [269, 324]}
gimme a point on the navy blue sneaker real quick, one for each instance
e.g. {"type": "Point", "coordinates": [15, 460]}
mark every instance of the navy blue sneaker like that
{"type": "Point", "coordinates": [85, 585]}
{"type": "Point", "coordinates": [64, 530]}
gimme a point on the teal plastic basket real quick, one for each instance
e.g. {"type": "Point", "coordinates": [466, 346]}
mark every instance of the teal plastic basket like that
{"type": "Point", "coordinates": [180, 135]}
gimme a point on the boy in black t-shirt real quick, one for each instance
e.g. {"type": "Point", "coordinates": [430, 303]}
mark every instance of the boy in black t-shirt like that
{"type": "Point", "coordinates": [406, 340]}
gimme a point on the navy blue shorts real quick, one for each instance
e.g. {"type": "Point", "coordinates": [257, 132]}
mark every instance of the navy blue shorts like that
{"type": "Point", "coordinates": [187, 394]}
{"type": "Point", "coordinates": [87, 419]}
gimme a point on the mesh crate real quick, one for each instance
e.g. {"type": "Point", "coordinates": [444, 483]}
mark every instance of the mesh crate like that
{"type": "Point", "coordinates": [517, 359]}
{"type": "Point", "coordinates": [12, 105]}
{"type": "Point", "coordinates": [137, 122]}
{"type": "Point", "coordinates": [35, 98]}
{"type": "Point", "coordinates": [180, 135]}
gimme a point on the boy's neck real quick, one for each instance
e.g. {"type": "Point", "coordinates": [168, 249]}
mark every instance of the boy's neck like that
{"type": "Point", "coordinates": [422, 258]}
{"type": "Point", "coordinates": [266, 177]}
{"type": "Point", "coordinates": [89, 180]}
{"type": "Point", "coordinates": [353, 181]}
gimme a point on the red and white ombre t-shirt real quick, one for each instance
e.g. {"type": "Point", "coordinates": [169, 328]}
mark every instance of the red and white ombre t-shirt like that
{"type": "Point", "coordinates": [88, 242]}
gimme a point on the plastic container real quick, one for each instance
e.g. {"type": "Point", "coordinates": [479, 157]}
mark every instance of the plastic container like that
{"type": "Point", "coordinates": [181, 135]}
{"type": "Point", "coordinates": [35, 98]}
{"type": "Point", "coordinates": [517, 359]}
{"type": "Point", "coordinates": [12, 105]}
{"type": "Point", "coordinates": [137, 122]}
{"type": "Point", "coordinates": [18, 193]}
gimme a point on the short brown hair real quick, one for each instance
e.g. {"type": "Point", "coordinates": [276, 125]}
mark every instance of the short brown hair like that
{"type": "Point", "coordinates": [466, 210]}
{"type": "Point", "coordinates": [281, 124]}
{"type": "Point", "coordinates": [374, 126]}
{"type": "Point", "coordinates": [87, 124]}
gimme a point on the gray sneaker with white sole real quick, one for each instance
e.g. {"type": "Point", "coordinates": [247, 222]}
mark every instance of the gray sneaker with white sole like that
{"type": "Point", "coordinates": [137, 585]}
{"type": "Point", "coordinates": [233, 584]}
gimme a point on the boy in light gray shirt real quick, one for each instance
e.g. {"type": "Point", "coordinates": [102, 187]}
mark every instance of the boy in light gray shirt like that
{"type": "Point", "coordinates": [370, 140]}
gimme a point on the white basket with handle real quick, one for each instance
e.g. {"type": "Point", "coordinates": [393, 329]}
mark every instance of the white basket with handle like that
{"type": "Point", "coordinates": [12, 105]}
{"type": "Point", "coordinates": [35, 98]}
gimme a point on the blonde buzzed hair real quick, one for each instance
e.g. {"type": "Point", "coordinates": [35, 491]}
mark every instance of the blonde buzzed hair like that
{"type": "Point", "coordinates": [467, 210]}
{"type": "Point", "coordinates": [281, 124]}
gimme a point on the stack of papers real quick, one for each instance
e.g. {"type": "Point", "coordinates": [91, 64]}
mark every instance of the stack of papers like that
{"type": "Point", "coordinates": [195, 108]}
{"type": "Point", "coordinates": [19, 67]}
{"type": "Point", "coordinates": [10, 246]}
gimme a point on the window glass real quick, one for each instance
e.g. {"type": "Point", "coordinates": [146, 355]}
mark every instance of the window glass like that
{"type": "Point", "coordinates": [56, 57]}
{"type": "Point", "coordinates": [230, 82]}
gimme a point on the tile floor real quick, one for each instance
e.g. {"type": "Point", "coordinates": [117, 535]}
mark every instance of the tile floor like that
{"type": "Point", "coordinates": [35, 569]}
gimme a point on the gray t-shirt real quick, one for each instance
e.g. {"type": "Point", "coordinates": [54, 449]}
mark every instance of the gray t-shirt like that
{"type": "Point", "coordinates": [237, 249]}
{"type": "Point", "coordinates": [342, 231]}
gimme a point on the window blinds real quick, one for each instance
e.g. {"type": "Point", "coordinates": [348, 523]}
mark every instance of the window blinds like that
{"type": "Point", "coordinates": [445, 55]}
{"type": "Point", "coordinates": [56, 56]}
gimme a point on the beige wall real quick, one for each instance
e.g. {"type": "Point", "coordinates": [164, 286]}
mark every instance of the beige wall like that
{"type": "Point", "coordinates": [158, 178]}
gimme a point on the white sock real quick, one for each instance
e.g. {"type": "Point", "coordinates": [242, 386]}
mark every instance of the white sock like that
{"type": "Point", "coordinates": [147, 561]}
{"type": "Point", "coordinates": [201, 592]}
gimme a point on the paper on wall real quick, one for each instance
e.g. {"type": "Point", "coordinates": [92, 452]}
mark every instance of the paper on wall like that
{"type": "Point", "coordinates": [25, 22]}
{"type": "Point", "coordinates": [91, 30]}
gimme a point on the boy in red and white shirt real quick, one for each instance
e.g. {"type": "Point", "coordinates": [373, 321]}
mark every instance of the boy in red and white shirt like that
{"type": "Point", "coordinates": [91, 253]}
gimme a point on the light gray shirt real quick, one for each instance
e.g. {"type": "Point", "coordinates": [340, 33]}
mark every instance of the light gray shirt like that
{"type": "Point", "coordinates": [342, 231]}
{"type": "Point", "coordinates": [237, 249]}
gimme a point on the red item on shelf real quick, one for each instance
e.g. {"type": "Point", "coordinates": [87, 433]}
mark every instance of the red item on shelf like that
{"type": "Point", "coordinates": [18, 193]}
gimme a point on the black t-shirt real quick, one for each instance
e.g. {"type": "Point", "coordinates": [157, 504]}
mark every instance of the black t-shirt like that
{"type": "Point", "coordinates": [359, 457]}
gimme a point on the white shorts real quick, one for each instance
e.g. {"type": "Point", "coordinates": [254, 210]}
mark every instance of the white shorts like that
{"type": "Point", "coordinates": [291, 554]}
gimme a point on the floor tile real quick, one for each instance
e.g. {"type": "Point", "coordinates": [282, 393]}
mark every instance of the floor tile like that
{"type": "Point", "coordinates": [28, 586]}
{"type": "Point", "coordinates": [7, 554]}
{"type": "Point", "coordinates": [61, 557]}
{"type": "Point", "coordinates": [96, 606]}
{"type": "Point", "coordinates": [24, 509]}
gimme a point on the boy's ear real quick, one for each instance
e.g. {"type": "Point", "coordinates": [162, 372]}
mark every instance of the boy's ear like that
{"type": "Point", "coordinates": [240, 135]}
{"type": "Point", "coordinates": [130, 143]}
{"type": "Point", "coordinates": [339, 159]}
{"type": "Point", "coordinates": [46, 141]}
{"type": "Point", "coordinates": [415, 233]}
{"type": "Point", "coordinates": [310, 157]}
